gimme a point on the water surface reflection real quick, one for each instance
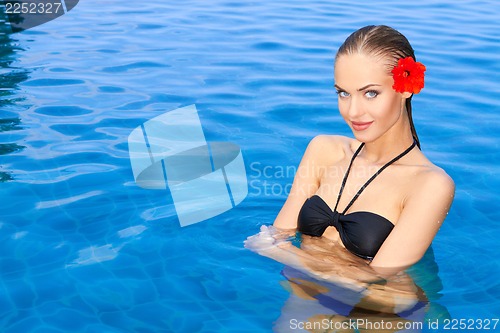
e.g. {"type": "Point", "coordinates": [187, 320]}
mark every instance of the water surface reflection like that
{"type": "Point", "coordinates": [10, 101]}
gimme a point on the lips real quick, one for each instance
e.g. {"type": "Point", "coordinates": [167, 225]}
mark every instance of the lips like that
{"type": "Point", "coordinates": [358, 126]}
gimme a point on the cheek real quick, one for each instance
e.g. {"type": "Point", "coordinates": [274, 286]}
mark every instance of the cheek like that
{"type": "Point", "coordinates": [343, 108]}
{"type": "Point", "coordinates": [385, 107]}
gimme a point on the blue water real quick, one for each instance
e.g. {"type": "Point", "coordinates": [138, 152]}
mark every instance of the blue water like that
{"type": "Point", "coordinates": [83, 249]}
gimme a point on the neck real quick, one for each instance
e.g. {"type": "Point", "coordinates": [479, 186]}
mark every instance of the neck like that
{"type": "Point", "coordinates": [390, 144]}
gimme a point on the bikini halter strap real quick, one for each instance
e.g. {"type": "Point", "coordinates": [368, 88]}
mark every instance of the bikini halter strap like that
{"type": "Point", "coordinates": [371, 178]}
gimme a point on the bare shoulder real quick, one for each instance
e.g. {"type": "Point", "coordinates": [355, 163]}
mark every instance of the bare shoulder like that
{"type": "Point", "coordinates": [434, 183]}
{"type": "Point", "coordinates": [320, 151]}
{"type": "Point", "coordinates": [422, 216]}
{"type": "Point", "coordinates": [325, 149]}
{"type": "Point", "coordinates": [435, 176]}
{"type": "Point", "coordinates": [329, 141]}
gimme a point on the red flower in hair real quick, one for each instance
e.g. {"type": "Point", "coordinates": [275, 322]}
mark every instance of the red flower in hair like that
{"type": "Point", "coordinates": [408, 76]}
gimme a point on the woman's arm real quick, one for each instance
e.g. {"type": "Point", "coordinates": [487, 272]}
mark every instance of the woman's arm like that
{"type": "Point", "coordinates": [317, 256]}
{"type": "Point", "coordinates": [308, 176]}
{"type": "Point", "coordinates": [276, 244]}
{"type": "Point", "coordinates": [423, 214]}
{"type": "Point", "coordinates": [325, 260]}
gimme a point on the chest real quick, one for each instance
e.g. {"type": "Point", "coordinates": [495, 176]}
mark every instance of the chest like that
{"type": "Point", "coordinates": [383, 195]}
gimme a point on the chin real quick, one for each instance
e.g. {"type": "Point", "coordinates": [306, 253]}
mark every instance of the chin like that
{"type": "Point", "coordinates": [363, 137]}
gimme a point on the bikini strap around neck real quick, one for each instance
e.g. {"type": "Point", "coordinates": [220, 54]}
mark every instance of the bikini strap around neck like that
{"type": "Point", "coordinates": [371, 178]}
{"type": "Point", "coordinates": [347, 173]}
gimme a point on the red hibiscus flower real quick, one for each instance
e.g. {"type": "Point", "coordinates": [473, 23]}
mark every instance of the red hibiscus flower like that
{"type": "Point", "coordinates": [408, 76]}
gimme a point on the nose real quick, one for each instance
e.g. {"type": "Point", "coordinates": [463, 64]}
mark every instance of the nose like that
{"type": "Point", "coordinates": [355, 108]}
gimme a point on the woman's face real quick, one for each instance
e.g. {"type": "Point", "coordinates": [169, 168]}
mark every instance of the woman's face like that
{"type": "Point", "coordinates": [366, 99]}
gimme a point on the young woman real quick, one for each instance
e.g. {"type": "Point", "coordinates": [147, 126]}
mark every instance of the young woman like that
{"type": "Point", "coordinates": [367, 207]}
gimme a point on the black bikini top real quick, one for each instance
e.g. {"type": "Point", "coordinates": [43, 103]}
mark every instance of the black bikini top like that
{"type": "Point", "coordinates": [362, 233]}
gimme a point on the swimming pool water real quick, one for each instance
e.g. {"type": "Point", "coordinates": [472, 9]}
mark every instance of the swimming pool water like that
{"type": "Point", "coordinates": [83, 249]}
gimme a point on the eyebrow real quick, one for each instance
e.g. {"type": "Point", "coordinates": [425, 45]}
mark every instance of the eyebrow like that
{"type": "Point", "coordinates": [360, 89]}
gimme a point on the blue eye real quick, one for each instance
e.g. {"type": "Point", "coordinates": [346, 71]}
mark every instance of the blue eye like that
{"type": "Point", "coordinates": [342, 94]}
{"type": "Point", "coordinates": [371, 94]}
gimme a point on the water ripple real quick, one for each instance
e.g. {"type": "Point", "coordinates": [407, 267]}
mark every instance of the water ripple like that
{"type": "Point", "coordinates": [52, 82]}
{"type": "Point", "coordinates": [65, 201]}
{"type": "Point", "coordinates": [261, 75]}
{"type": "Point", "coordinates": [61, 111]}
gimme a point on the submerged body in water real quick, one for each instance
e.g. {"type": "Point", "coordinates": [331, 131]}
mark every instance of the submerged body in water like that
{"type": "Point", "coordinates": [331, 289]}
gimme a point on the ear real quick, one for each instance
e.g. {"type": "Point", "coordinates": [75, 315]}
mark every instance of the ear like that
{"type": "Point", "coordinates": [406, 94]}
